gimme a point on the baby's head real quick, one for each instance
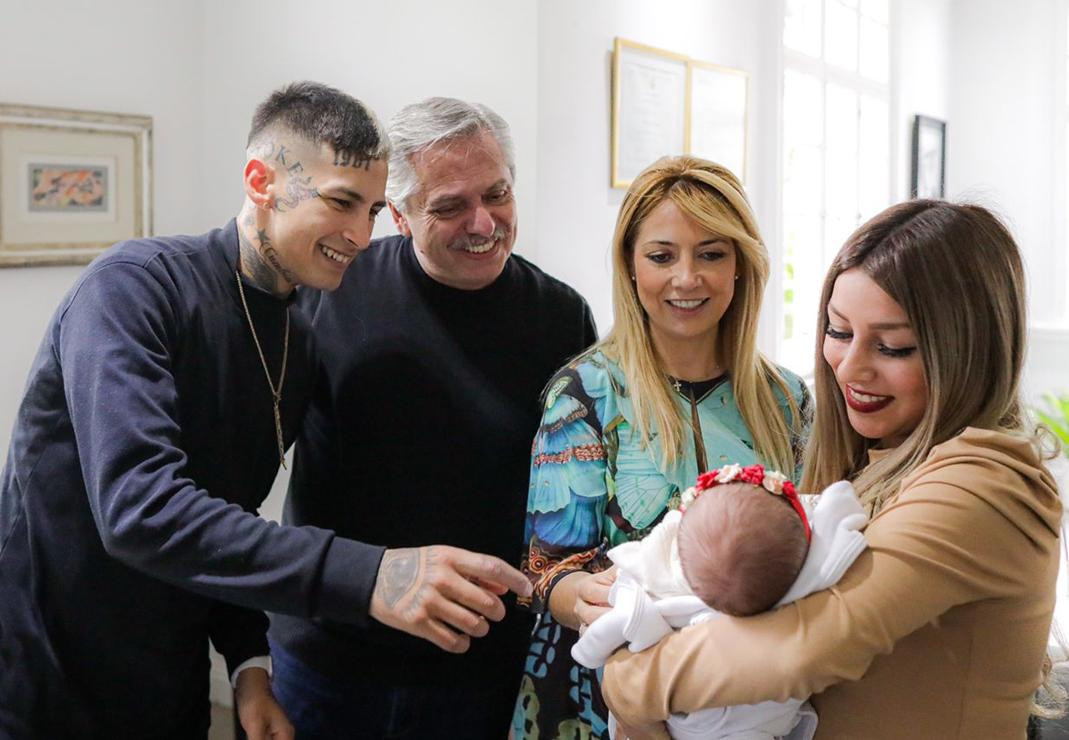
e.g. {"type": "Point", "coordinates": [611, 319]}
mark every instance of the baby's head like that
{"type": "Point", "coordinates": [740, 545]}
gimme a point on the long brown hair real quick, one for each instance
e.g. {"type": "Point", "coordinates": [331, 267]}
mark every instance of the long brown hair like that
{"type": "Point", "coordinates": [957, 273]}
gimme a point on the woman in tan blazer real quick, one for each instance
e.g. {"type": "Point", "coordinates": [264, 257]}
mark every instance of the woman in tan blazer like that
{"type": "Point", "coordinates": [939, 629]}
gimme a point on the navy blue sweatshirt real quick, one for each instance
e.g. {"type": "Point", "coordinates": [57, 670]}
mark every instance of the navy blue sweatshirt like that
{"type": "Point", "coordinates": [143, 447]}
{"type": "Point", "coordinates": [421, 434]}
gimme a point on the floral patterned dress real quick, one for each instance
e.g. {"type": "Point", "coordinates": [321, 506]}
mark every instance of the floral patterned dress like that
{"type": "Point", "coordinates": [594, 486]}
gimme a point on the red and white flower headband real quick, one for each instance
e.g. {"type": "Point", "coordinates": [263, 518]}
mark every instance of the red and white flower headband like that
{"type": "Point", "coordinates": [772, 481]}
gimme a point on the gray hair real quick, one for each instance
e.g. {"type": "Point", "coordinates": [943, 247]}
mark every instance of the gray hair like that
{"type": "Point", "coordinates": [419, 126]}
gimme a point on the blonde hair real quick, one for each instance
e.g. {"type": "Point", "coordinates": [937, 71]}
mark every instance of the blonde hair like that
{"type": "Point", "coordinates": [956, 272]}
{"type": "Point", "coordinates": [713, 197]}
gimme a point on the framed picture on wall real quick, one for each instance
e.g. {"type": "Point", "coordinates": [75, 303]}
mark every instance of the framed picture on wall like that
{"type": "Point", "coordinates": [72, 183]}
{"type": "Point", "coordinates": [649, 114]}
{"type": "Point", "coordinates": [665, 103]}
{"type": "Point", "coordinates": [718, 105]}
{"type": "Point", "coordinates": [929, 158]}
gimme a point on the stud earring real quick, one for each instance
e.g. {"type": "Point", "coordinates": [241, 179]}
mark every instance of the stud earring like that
{"type": "Point", "coordinates": [736, 277]}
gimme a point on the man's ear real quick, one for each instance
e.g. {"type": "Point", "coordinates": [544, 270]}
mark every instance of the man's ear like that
{"type": "Point", "coordinates": [259, 177]}
{"type": "Point", "coordinates": [399, 220]}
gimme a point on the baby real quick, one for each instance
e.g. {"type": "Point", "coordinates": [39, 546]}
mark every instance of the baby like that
{"type": "Point", "coordinates": [742, 542]}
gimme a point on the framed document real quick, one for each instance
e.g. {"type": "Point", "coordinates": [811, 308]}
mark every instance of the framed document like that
{"type": "Point", "coordinates": [664, 103]}
{"type": "Point", "coordinates": [718, 105]}
{"type": "Point", "coordinates": [72, 183]}
{"type": "Point", "coordinates": [649, 103]}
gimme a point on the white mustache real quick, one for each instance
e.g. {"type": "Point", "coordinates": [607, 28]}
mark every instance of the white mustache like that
{"type": "Point", "coordinates": [470, 240]}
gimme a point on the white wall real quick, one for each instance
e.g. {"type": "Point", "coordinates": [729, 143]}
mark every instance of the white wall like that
{"type": "Point", "coordinates": [920, 54]}
{"type": "Point", "coordinates": [1003, 144]}
{"type": "Point", "coordinates": [471, 49]}
{"type": "Point", "coordinates": [1001, 135]}
{"type": "Point", "coordinates": [121, 56]}
{"type": "Point", "coordinates": [576, 206]}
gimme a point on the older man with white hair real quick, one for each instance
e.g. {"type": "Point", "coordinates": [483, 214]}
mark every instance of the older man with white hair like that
{"type": "Point", "coordinates": [439, 346]}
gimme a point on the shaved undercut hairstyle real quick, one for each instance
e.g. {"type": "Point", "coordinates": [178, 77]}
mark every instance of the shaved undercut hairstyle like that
{"type": "Point", "coordinates": [321, 114]}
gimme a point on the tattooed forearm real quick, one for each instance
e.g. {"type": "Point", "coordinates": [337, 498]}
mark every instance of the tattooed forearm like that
{"type": "Point", "coordinates": [349, 159]}
{"type": "Point", "coordinates": [262, 265]}
{"type": "Point", "coordinates": [397, 574]}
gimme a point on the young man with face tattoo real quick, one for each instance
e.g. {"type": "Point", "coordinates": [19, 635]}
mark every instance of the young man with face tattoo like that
{"type": "Point", "coordinates": [170, 381]}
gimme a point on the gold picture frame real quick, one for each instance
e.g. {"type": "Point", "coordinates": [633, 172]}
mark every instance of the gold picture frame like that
{"type": "Point", "coordinates": [718, 114]}
{"type": "Point", "coordinates": [666, 103]}
{"type": "Point", "coordinates": [649, 113]}
{"type": "Point", "coordinates": [72, 183]}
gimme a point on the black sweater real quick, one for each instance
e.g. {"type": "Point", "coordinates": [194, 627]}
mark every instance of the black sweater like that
{"type": "Point", "coordinates": [143, 446]}
{"type": "Point", "coordinates": [421, 434]}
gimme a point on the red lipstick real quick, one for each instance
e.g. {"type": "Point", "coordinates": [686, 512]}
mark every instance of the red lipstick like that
{"type": "Point", "coordinates": [866, 406]}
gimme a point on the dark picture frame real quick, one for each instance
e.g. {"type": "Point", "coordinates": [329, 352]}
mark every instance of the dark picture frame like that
{"type": "Point", "coordinates": [928, 171]}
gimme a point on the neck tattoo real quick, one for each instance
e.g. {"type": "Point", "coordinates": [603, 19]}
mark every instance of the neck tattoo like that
{"type": "Point", "coordinates": [276, 391]}
{"type": "Point", "coordinates": [262, 265]}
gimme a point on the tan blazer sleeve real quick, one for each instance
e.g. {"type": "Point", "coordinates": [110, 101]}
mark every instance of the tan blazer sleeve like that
{"type": "Point", "coordinates": [934, 547]}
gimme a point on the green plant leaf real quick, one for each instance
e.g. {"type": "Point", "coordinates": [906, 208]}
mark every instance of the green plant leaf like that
{"type": "Point", "coordinates": [1056, 417]}
{"type": "Point", "coordinates": [1054, 426]}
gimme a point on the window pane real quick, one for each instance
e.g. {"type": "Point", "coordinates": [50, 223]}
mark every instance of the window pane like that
{"type": "Point", "coordinates": [802, 118]}
{"type": "Point", "coordinates": [874, 157]}
{"type": "Point", "coordinates": [803, 170]}
{"type": "Point", "coordinates": [874, 60]}
{"type": "Point", "coordinates": [836, 150]}
{"type": "Point", "coordinates": [836, 231]}
{"type": "Point", "coordinates": [841, 184]}
{"type": "Point", "coordinates": [840, 35]}
{"type": "Point", "coordinates": [803, 139]}
{"type": "Point", "coordinates": [877, 10]}
{"type": "Point", "coordinates": [801, 26]}
{"type": "Point", "coordinates": [803, 206]}
{"type": "Point", "coordinates": [803, 273]}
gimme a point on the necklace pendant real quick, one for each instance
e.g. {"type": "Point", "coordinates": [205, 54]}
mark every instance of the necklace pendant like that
{"type": "Point", "coordinates": [278, 436]}
{"type": "Point", "coordinates": [276, 392]}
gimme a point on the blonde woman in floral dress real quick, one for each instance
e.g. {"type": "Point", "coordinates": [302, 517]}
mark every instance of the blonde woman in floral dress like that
{"type": "Point", "coordinates": [676, 388]}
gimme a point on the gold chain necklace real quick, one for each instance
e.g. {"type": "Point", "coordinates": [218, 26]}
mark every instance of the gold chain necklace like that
{"type": "Point", "coordinates": [276, 393]}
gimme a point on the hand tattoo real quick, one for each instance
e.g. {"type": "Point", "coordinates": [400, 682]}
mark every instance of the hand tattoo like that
{"type": "Point", "coordinates": [397, 574]}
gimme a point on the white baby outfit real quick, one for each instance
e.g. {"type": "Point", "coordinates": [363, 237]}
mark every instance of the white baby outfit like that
{"type": "Point", "coordinates": [650, 598]}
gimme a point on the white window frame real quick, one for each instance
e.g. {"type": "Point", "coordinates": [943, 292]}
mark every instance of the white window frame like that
{"type": "Point", "coordinates": [790, 59]}
{"type": "Point", "coordinates": [1061, 157]}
